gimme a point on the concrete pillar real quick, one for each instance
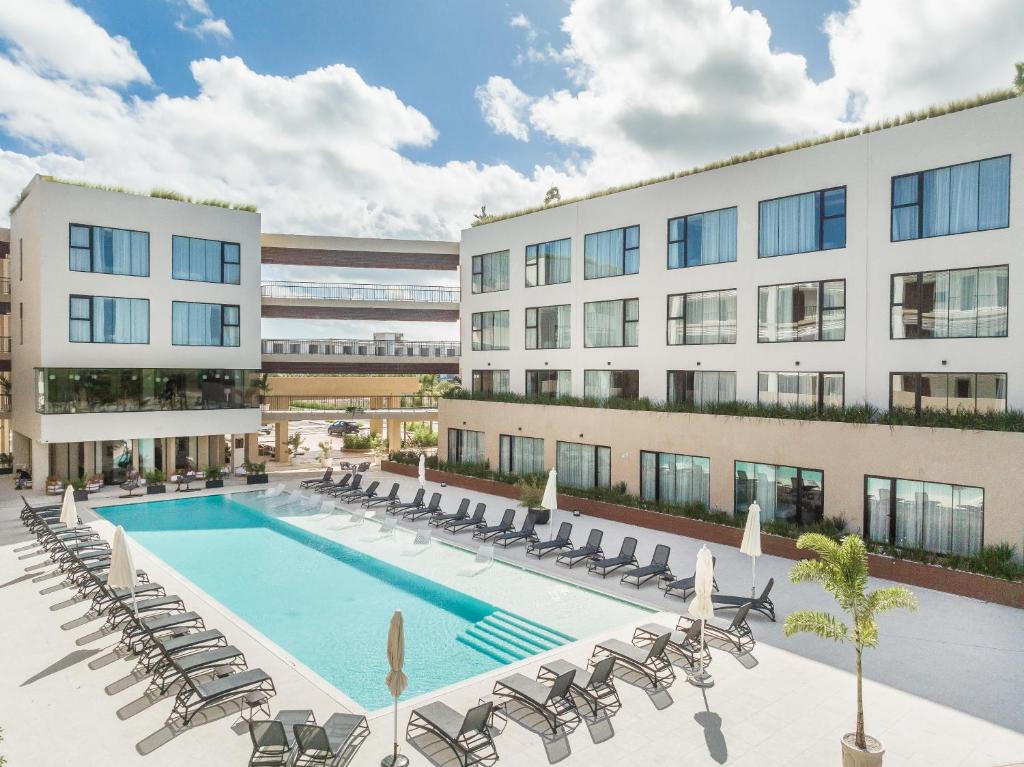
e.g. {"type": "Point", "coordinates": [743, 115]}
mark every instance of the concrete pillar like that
{"type": "Point", "coordinates": [251, 448]}
{"type": "Point", "coordinates": [40, 463]}
{"type": "Point", "coordinates": [90, 459]}
{"type": "Point", "coordinates": [281, 441]}
{"type": "Point", "coordinates": [202, 453]}
{"type": "Point", "coordinates": [22, 449]}
{"type": "Point", "coordinates": [135, 456]}
{"type": "Point", "coordinates": [394, 434]}
{"type": "Point", "coordinates": [376, 425]}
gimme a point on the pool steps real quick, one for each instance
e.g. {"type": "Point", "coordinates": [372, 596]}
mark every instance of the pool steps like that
{"type": "Point", "coordinates": [508, 638]}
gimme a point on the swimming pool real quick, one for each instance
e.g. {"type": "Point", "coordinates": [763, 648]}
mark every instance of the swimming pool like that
{"type": "Point", "coordinates": [328, 602]}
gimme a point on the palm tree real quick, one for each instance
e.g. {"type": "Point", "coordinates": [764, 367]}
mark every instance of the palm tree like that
{"type": "Point", "coordinates": [842, 570]}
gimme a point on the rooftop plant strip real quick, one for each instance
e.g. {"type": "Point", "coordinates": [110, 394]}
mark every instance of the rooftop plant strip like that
{"type": "Point", "coordinates": [937, 110]}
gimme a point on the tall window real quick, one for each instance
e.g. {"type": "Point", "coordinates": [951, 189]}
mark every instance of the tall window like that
{"type": "Point", "coordinates": [466, 446]}
{"type": "Point", "coordinates": [959, 303]}
{"type": "Point", "coordinates": [703, 238]}
{"type": "Point", "coordinates": [548, 263]}
{"type": "Point", "coordinates": [548, 327]}
{"type": "Point", "coordinates": [549, 383]}
{"type": "Point", "coordinates": [611, 253]}
{"type": "Point", "coordinates": [969, 197]}
{"type": "Point", "coordinates": [801, 389]}
{"type": "Point", "coordinates": [947, 519]}
{"type": "Point", "coordinates": [803, 223]}
{"type": "Point", "coordinates": [490, 272]}
{"type": "Point", "coordinates": [702, 318]}
{"type": "Point", "coordinates": [611, 323]}
{"type": "Point", "coordinates": [583, 466]}
{"type": "Point", "coordinates": [108, 251]}
{"type": "Point", "coordinates": [611, 384]}
{"type": "Point", "coordinates": [803, 311]}
{"type": "Point", "coordinates": [701, 387]}
{"type": "Point", "coordinates": [490, 331]}
{"type": "Point", "coordinates": [205, 260]}
{"type": "Point", "coordinates": [520, 455]}
{"type": "Point", "coordinates": [971, 392]}
{"type": "Point", "coordinates": [674, 478]}
{"type": "Point", "coordinates": [194, 324]}
{"type": "Point", "coordinates": [784, 493]}
{"type": "Point", "coordinates": [490, 382]}
{"type": "Point", "coordinates": [108, 320]}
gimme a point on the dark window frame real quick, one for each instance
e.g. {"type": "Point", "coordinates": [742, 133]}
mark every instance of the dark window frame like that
{"type": "Point", "coordinates": [477, 271]}
{"type": "Point", "coordinates": [511, 468]}
{"type": "Point", "coordinates": [535, 327]}
{"type": "Point", "coordinates": [542, 371]}
{"type": "Point", "coordinates": [917, 387]}
{"type": "Point", "coordinates": [223, 324]}
{"type": "Point", "coordinates": [820, 222]}
{"type": "Point", "coordinates": [477, 374]}
{"type": "Point", "coordinates": [821, 310]}
{"type": "Point", "coordinates": [476, 326]}
{"type": "Point", "coordinates": [636, 371]}
{"type": "Point", "coordinates": [684, 296]}
{"type": "Point", "coordinates": [920, 285]}
{"type": "Point", "coordinates": [799, 474]}
{"type": "Point", "coordinates": [596, 448]}
{"type": "Point", "coordinates": [671, 371]}
{"type": "Point", "coordinates": [536, 264]}
{"type": "Point", "coordinates": [820, 394]}
{"type": "Point", "coordinates": [622, 255]}
{"type": "Point", "coordinates": [625, 323]}
{"type": "Point", "coordinates": [657, 474]}
{"type": "Point", "coordinates": [223, 259]}
{"type": "Point", "coordinates": [91, 318]}
{"type": "Point", "coordinates": [90, 228]}
{"type": "Point", "coordinates": [686, 238]}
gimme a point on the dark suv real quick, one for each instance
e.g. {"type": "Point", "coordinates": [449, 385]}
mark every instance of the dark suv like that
{"type": "Point", "coordinates": [341, 428]}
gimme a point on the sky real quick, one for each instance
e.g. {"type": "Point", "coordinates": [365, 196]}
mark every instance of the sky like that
{"type": "Point", "coordinates": [401, 118]}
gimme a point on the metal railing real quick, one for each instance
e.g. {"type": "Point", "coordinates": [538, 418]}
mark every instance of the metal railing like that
{"type": "Point", "coordinates": [5, 344]}
{"type": "Point", "coordinates": [352, 347]}
{"type": "Point", "coordinates": [342, 291]}
{"type": "Point", "coordinates": [5, 286]}
{"type": "Point", "coordinates": [5, 403]}
{"type": "Point", "coordinates": [354, 404]}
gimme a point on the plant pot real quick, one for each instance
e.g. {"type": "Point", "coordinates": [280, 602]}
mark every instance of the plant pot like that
{"type": "Point", "coordinates": [541, 516]}
{"type": "Point", "coordinates": [80, 495]}
{"type": "Point", "coordinates": [6, 469]}
{"type": "Point", "coordinates": [256, 479]}
{"type": "Point", "coordinates": [212, 483]}
{"type": "Point", "coordinates": [855, 757]}
{"type": "Point", "coordinates": [156, 489]}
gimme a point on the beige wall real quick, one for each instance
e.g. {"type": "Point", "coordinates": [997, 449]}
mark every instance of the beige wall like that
{"type": "Point", "coordinates": [844, 452]}
{"type": "Point", "coordinates": [342, 386]}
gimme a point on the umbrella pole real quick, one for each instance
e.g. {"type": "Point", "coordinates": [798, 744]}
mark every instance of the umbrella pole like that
{"type": "Point", "coordinates": [753, 576]}
{"type": "Point", "coordinates": [135, 605]}
{"type": "Point", "coordinates": [395, 759]}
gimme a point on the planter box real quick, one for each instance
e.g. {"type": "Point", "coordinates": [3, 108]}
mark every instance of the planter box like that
{"type": "Point", "coordinates": [541, 516]}
{"type": "Point", "coordinates": [256, 479]}
{"type": "Point", "coordinates": [80, 495]}
{"type": "Point", "coordinates": [6, 469]}
{"type": "Point", "coordinates": [212, 483]}
{"type": "Point", "coordinates": [155, 489]}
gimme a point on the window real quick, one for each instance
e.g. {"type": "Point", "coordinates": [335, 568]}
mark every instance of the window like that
{"type": "Point", "coordinates": [548, 263]}
{"type": "Point", "coordinates": [490, 272]}
{"type": "Point", "coordinates": [784, 493]}
{"type": "Point", "coordinates": [194, 324]}
{"type": "Point", "coordinates": [490, 331]}
{"type": "Point", "coordinates": [959, 303]}
{"type": "Point", "coordinates": [611, 323]}
{"type": "Point", "coordinates": [205, 260]}
{"type": "Point", "coordinates": [802, 223]}
{"type": "Point", "coordinates": [971, 392]}
{"type": "Point", "coordinates": [947, 519]}
{"type": "Point", "coordinates": [108, 320]}
{"type": "Point", "coordinates": [465, 446]}
{"type": "Point", "coordinates": [108, 251]}
{"type": "Point", "coordinates": [803, 311]}
{"type": "Point", "coordinates": [490, 382]}
{"type": "Point", "coordinates": [611, 253]}
{"type": "Point", "coordinates": [520, 455]}
{"type": "Point", "coordinates": [702, 318]}
{"type": "Point", "coordinates": [703, 238]}
{"type": "Point", "coordinates": [969, 197]}
{"type": "Point", "coordinates": [583, 466]}
{"type": "Point", "coordinates": [611, 384]}
{"type": "Point", "coordinates": [549, 383]}
{"type": "Point", "coordinates": [675, 479]}
{"type": "Point", "coordinates": [548, 327]}
{"type": "Point", "coordinates": [792, 389]}
{"type": "Point", "coordinates": [701, 387]}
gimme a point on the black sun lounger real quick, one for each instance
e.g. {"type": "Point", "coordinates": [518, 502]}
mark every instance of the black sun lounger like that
{"type": "Point", "coordinates": [762, 604]}
{"type": "Point", "coordinates": [468, 736]}
{"type": "Point", "coordinates": [385, 500]}
{"type": "Point", "coordinates": [651, 661]}
{"type": "Point", "coordinates": [184, 643]}
{"type": "Point", "coordinates": [194, 696]}
{"type": "Point", "coordinates": [329, 488]}
{"type": "Point", "coordinates": [355, 494]}
{"type": "Point", "coordinates": [340, 490]}
{"type": "Point", "coordinates": [561, 541]}
{"type": "Point", "coordinates": [397, 507]}
{"type": "Point", "coordinates": [477, 520]}
{"type": "Point", "coordinates": [685, 643]}
{"type": "Point", "coordinates": [460, 513]}
{"type": "Point", "coordinates": [737, 633]}
{"type": "Point", "coordinates": [325, 479]}
{"type": "Point", "coordinates": [683, 587]}
{"type": "Point", "coordinates": [274, 739]}
{"type": "Point", "coordinates": [216, 660]}
{"type": "Point", "coordinates": [589, 551]}
{"type": "Point", "coordinates": [625, 557]}
{"type": "Point", "coordinates": [597, 686]}
{"type": "Point", "coordinates": [323, 745]}
{"type": "Point", "coordinates": [658, 567]}
{"type": "Point", "coordinates": [554, 702]}
{"type": "Point", "coordinates": [526, 533]}
{"type": "Point", "coordinates": [431, 509]}
{"type": "Point", "coordinates": [489, 531]}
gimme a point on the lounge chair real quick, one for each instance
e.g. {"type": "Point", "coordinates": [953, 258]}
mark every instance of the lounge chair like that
{"type": "Point", "coordinates": [119, 613]}
{"type": "Point", "coordinates": [383, 500]}
{"type": "Point", "coordinates": [105, 597]}
{"type": "Point", "coordinates": [320, 745]}
{"type": "Point", "coordinates": [625, 557]}
{"type": "Point", "coordinates": [325, 479]}
{"type": "Point", "coordinates": [737, 632]}
{"type": "Point", "coordinates": [431, 509]}
{"type": "Point", "coordinates": [657, 567]}
{"type": "Point", "coordinates": [54, 486]}
{"type": "Point", "coordinates": [477, 520]}
{"type": "Point", "coordinates": [194, 696]}
{"type": "Point", "coordinates": [397, 507]}
{"type": "Point", "coordinates": [339, 489]}
{"type": "Point", "coordinates": [686, 643]}
{"type": "Point", "coordinates": [185, 643]}
{"type": "Point", "coordinates": [506, 524]}
{"type": "Point", "coordinates": [438, 520]}
{"type": "Point", "coordinates": [596, 686]}
{"type": "Point", "coordinates": [683, 587]}
{"type": "Point", "coordinates": [762, 604]}
{"type": "Point", "coordinates": [525, 533]}
{"type": "Point", "coordinates": [554, 702]}
{"type": "Point", "coordinates": [143, 632]}
{"type": "Point", "coordinates": [560, 541]}
{"type": "Point", "coordinates": [468, 736]}
{"type": "Point", "coordinates": [133, 483]}
{"type": "Point", "coordinates": [215, 660]}
{"type": "Point", "coordinates": [652, 662]}
{"type": "Point", "coordinates": [332, 486]}
{"type": "Point", "coordinates": [589, 551]}
{"type": "Point", "coordinates": [274, 739]}
{"type": "Point", "coordinates": [358, 496]}
{"type": "Point", "coordinates": [94, 484]}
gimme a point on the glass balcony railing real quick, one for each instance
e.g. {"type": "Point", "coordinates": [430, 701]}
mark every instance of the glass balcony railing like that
{"type": "Point", "coordinates": [351, 404]}
{"type": "Point", "coordinates": [341, 291]}
{"type": "Point", "coordinates": [350, 347]}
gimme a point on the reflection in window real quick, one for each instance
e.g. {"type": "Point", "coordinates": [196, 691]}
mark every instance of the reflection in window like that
{"type": "Point", "coordinates": [947, 519]}
{"type": "Point", "coordinates": [674, 478]}
{"type": "Point", "coordinates": [490, 331]}
{"type": "Point", "coordinates": [803, 311]}
{"type": "Point", "coordinates": [702, 318]}
{"type": "Point", "coordinates": [490, 272]}
{"type": "Point", "coordinates": [548, 263]}
{"type": "Point", "coordinates": [703, 238]}
{"type": "Point", "coordinates": [490, 382]}
{"type": "Point", "coordinates": [583, 466]}
{"type": "Point", "coordinates": [611, 253]}
{"type": "Point", "coordinates": [549, 383]}
{"type": "Point", "coordinates": [701, 387]}
{"type": "Point", "coordinates": [800, 389]}
{"type": "Point", "coordinates": [611, 384]}
{"type": "Point", "coordinates": [104, 250]}
{"type": "Point", "coordinates": [548, 327]}
{"type": "Point", "coordinates": [611, 323]}
{"type": "Point", "coordinates": [108, 320]}
{"type": "Point", "coordinates": [465, 446]}
{"type": "Point", "coordinates": [520, 455]}
{"type": "Point", "coordinates": [201, 260]}
{"type": "Point", "coordinates": [784, 493]}
{"type": "Point", "coordinates": [970, 392]}
{"type": "Point", "coordinates": [959, 303]}
{"type": "Point", "coordinates": [195, 324]}
{"type": "Point", "coordinates": [802, 223]}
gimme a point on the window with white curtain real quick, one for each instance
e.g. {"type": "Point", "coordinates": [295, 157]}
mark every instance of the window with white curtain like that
{"type": "Point", "coordinates": [490, 382]}
{"type": "Point", "coordinates": [959, 303]}
{"type": "Point", "coordinates": [548, 327]}
{"type": "Point", "coordinates": [702, 318]}
{"type": "Point", "coordinates": [611, 323]}
{"type": "Point", "coordinates": [108, 320]}
{"type": "Point", "coordinates": [197, 324]}
{"type": "Point", "coordinates": [701, 387]}
{"type": "Point", "coordinates": [549, 383]}
{"type": "Point", "coordinates": [583, 466]}
{"type": "Point", "coordinates": [466, 446]}
{"type": "Point", "coordinates": [946, 519]}
{"type": "Point", "coordinates": [969, 197]}
{"type": "Point", "coordinates": [548, 263]}
{"type": "Point", "coordinates": [803, 311]}
{"type": "Point", "coordinates": [611, 253]}
{"type": "Point", "coordinates": [800, 389]}
{"type": "Point", "coordinates": [802, 223]}
{"type": "Point", "coordinates": [105, 250]}
{"type": "Point", "coordinates": [702, 238]}
{"type": "Point", "coordinates": [968, 392]}
{"type": "Point", "coordinates": [520, 455]}
{"type": "Point", "coordinates": [490, 331]}
{"type": "Point", "coordinates": [199, 260]}
{"type": "Point", "coordinates": [611, 384]}
{"type": "Point", "coordinates": [784, 493]}
{"type": "Point", "coordinates": [674, 478]}
{"type": "Point", "coordinates": [490, 272]}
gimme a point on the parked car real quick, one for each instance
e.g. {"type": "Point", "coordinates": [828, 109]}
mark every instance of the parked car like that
{"type": "Point", "coordinates": [341, 428]}
{"type": "Point", "coordinates": [265, 449]}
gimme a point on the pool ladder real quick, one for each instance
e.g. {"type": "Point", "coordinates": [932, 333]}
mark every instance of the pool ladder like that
{"type": "Point", "coordinates": [507, 638]}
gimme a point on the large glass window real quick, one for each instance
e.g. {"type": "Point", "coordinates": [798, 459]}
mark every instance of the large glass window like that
{"type": "Point", "coordinates": [520, 455]}
{"type": "Point", "coordinates": [703, 238]}
{"type": "Point", "coordinates": [611, 253]}
{"type": "Point", "coordinates": [947, 519]}
{"type": "Point", "coordinates": [548, 263]}
{"type": "Point", "coordinates": [971, 392]}
{"type": "Point", "coordinates": [490, 272]}
{"type": "Point", "coordinates": [803, 223]}
{"type": "Point", "coordinates": [201, 260]}
{"type": "Point", "coordinates": [108, 320]}
{"type": "Point", "coordinates": [800, 389]}
{"type": "Point", "coordinates": [969, 197]}
{"type": "Point", "coordinates": [611, 384]}
{"type": "Point", "coordinates": [701, 387]}
{"type": "Point", "coordinates": [784, 493]}
{"type": "Point", "coordinates": [108, 251]}
{"type": "Point", "coordinates": [702, 318]}
{"type": "Point", "coordinates": [611, 323]}
{"type": "Point", "coordinates": [803, 311]}
{"type": "Point", "coordinates": [583, 466]}
{"type": "Point", "coordinates": [674, 478]}
{"type": "Point", "coordinates": [490, 331]}
{"type": "Point", "coordinates": [490, 382]}
{"type": "Point", "coordinates": [466, 446]}
{"type": "Point", "coordinates": [548, 327]}
{"type": "Point", "coordinates": [959, 303]}
{"type": "Point", "coordinates": [194, 324]}
{"type": "Point", "coordinates": [549, 383]}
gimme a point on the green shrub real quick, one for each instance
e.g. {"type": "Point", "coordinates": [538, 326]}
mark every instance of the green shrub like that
{"type": "Point", "coordinates": [420, 435]}
{"type": "Point", "coordinates": [213, 473]}
{"type": "Point", "coordinates": [531, 493]}
{"type": "Point", "coordinates": [155, 477]}
{"type": "Point", "coordinates": [362, 441]}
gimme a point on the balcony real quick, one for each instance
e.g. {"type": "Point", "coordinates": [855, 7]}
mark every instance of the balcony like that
{"type": "Point", "coordinates": [339, 300]}
{"type": "Point", "coordinates": [5, 295]}
{"type": "Point", "coordinates": [348, 355]}
{"type": "Point", "coordinates": [293, 407]}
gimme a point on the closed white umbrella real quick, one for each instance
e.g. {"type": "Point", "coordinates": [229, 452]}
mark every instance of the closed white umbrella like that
{"type": "Point", "coordinates": [701, 608]}
{"type": "Point", "coordinates": [68, 510]}
{"type": "Point", "coordinates": [751, 544]}
{"type": "Point", "coordinates": [421, 473]}
{"type": "Point", "coordinates": [396, 679]}
{"type": "Point", "coordinates": [550, 500]}
{"type": "Point", "coordinates": [122, 569]}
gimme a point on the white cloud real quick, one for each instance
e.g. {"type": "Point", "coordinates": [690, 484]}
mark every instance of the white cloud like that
{"type": "Point", "coordinates": [520, 21]}
{"type": "Point", "coordinates": [504, 107]}
{"type": "Point", "coordinates": [207, 26]}
{"type": "Point", "coordinates": [214, 28]}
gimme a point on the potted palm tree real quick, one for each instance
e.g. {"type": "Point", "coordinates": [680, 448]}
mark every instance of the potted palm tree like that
{"type": "Point", "coordinates": [214, 477]}
{"type": "Point", "coordinates": [531, 495]}
{"type": "Point", "coordinates": [155, 479]}
{"type": "Point", "coordinates": [842, 570]}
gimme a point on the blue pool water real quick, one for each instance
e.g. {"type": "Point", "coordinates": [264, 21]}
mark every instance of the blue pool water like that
{"type": "Point", "coordinates": [326, 604]}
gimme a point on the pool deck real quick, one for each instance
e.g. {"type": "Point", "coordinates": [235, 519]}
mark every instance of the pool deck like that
{"type": "Point", "coordinates": [944, 687]}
